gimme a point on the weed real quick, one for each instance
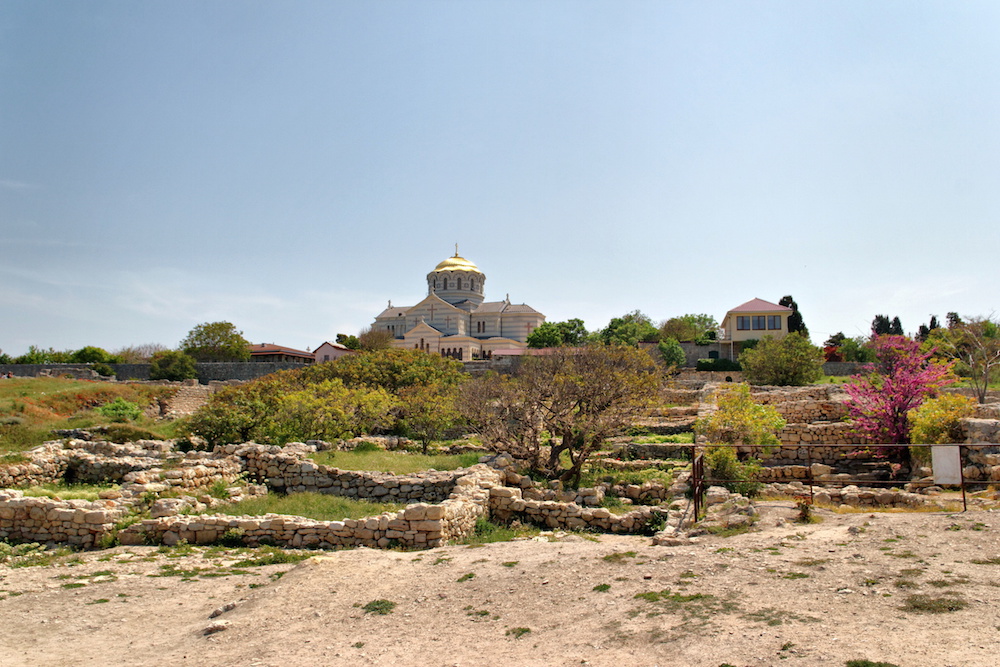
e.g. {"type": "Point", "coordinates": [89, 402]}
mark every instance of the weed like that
{"type": "Point", "coordinates": [381, 607]}
{"type": "Point", "coordinates": [602, 588]}
{"type": "Point", "coordinates": [774, 617]}
{"type": "Point", "coordinates": [271, 556]}
{"type": "Point", "coordinates": [619, 556]}
{"type": "Point", "coordinates": [934, 605]}
{"type": "Point", "coordinates": [467, 576]}
{"type": "Point", "coordinates": [99, 601]}
{"type": "Point", "coordinates": [358, 644]}
{"type": "Point", "coordinates": [517, 633]}
{"type": "Point", "coordinates": [993, 560]}
{"type": "Point", "coordinates": [868, 663]}
{"type": "Point", "coordinates": [510, 563]}
{"type": "Point", "coordinates": [795, 575]}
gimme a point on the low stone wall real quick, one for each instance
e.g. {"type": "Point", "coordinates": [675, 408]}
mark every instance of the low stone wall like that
{"type": "Point", "coordinates": [287, 470]}
{"type": "Point", "coordinates": [507, 504]}
{"type": "Point", "coordinates": [77, 522]}
{"type": "Point", "coordinates": [419, 525]}
{"type": "Point", "coordinates": [816, 433]}
{"type": "Point", "coordinates": [852, 496]}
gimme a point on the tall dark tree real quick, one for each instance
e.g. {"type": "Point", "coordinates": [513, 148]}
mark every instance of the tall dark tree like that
{"type": "Point", "coordinates": [954, 320]}
{"type": "Point", "coordinates": [896, 327]}
{"type": "Point", "coordinates": [795, 321]}
{"type": "Point", "coordinates": [881, 325]}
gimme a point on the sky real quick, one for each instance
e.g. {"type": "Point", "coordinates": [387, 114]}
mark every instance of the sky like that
{"type": "Point", "coordinates": [292, 167]}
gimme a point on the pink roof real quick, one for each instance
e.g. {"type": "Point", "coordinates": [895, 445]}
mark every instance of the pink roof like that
{"type": "Point", "coordinates": [758, 305]}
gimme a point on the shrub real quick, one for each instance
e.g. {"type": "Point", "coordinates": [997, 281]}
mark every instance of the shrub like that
{"type": "Point", "coordinates": [737, 476]}
{"type": "Point", "coordinates": [172, 365]}
{"type": "Point", "coordinates": [119, 410]}
{"type": "Point", "coordinates": [740, 420]}
{"type": "Point", "coordinates": [790, 361]}
{"type": "Point", "coordinates": [672, 352]}
{"type": "Point", "coordinates": [725, 365]}
{"type": "Point", "coordinates": [937, 421]}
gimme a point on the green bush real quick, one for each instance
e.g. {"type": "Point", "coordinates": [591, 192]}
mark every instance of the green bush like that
{"type": "Point", "coordinates": [740, 420]}
{"type": "Point", "coordinates": [172, 365]}
{"type": "Point", "coordinates": [724, 365]}
{"type": "Point", "coordinates": [937, 421]}
{"type": "Point", "coordinates": [789, 361]}
{"type": "Point", "coordinates": [119, 410]}
{"type": "Point", "coordinates": [724, 466]}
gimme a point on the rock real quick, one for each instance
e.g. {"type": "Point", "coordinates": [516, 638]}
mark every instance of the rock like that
{"type": "Point", "coordinates": [218, 626]}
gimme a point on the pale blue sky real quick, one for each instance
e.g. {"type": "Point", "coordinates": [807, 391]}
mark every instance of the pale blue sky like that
{"type": "Point", "coordinates": [292, 166]}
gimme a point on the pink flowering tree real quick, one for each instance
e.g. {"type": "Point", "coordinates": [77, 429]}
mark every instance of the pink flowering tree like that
{"type": "Point", "coordinates": [899, 381]}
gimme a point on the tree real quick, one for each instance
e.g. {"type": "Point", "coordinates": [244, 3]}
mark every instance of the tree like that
{"type": "Point", "coordinates": [554, 334]}
{"type": "Point", "coordinates": [350, 342]}
{"type": "Point", "coordinates": [629, 329]}
{"type": "Point", "coordinates": [427, 412]}
{"type": "Point", "coordinates": [330, 411]}
{"type": "Point", "coordinates": [172, 365]}
{"type": "Point", "coordinates": [574, 399]}
{"type": "Point", "coordinates": [896, 327]}
{"type": "Point", "coordinates": [373, 339]}
{"type": "Point", "coordinates": [216, 341]}
{"type": "Point", "coordinates": [789, 361]}
{"type": "Point", "coordinates": [881, 325]}
{"type": "Point", "coordinates": [690, 328]}
{"type": "Point", "coordinates": [836, 340]}
{"type": "Point", "coordinates": [795, 321]}
{"type": "Point", "coordinates": [856, 349]}
{"type": "Point", "coordinates": [672, 353]}
{"type": "Point", "coordinates": [974, 346]}
{"type": "Point", "coordinates": [546, 334]}
{"type": "Point", "coordinates": [139, 354]}
{"type": "Point", "coordinates": [391, 369]}
{"type": "Point", "coordinates": [898, 381]}
{"type": "Point", "coordinates": [93, 355]}
{"type": "Point", "coordinates": [740, 420]}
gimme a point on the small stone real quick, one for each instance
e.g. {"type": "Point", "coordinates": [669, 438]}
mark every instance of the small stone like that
{"type": "Point", "coordinates": [218, 626]}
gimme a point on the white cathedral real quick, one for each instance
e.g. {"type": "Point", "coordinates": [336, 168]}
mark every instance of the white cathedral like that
{"type": "Point", "coordinates": [454, 321]}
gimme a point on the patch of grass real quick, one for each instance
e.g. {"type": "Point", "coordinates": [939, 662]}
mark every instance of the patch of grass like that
{"type": "Point", "coordinates": [318, 506]}
{"type": "Point", "coordinates": [795, 575]}
{"type": "Point", "coordinates": [399, 463]}
{"type": "Point", "coordinates": [486, 532]}
{"type": "Point", "coordinates": [510, 563]}
{"type": "Point", "coordinates": [467, 576]}
{"type": "Point", "coordinates": [517, 633]}
{"type": "Point", "coordinates": [271, 556]}
{"type": "Point", "coordinates": [927, 604]}
{"type": "Point", "coordinates": [30, 554]}
{"type": "Point", "coordinates": [602, 588]}
{"type": "Point", "coordinates": [868, 663]}
{"type": "Point", "coordinates": [380, 607]}
{"type": "Point", "coordinates": [993, 560]}
{"type": "Point", "coordinates": [697, 605]}
{"type": "Point", "coordinates": [618, 556]}
{"type": "Point", "coordinates": [89, 492]}
{"type": "Point", "coordinates": [774, 617]}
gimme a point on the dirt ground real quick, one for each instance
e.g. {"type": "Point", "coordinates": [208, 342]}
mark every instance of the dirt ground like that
{"type": "Point", "coordinates": [786, 594]}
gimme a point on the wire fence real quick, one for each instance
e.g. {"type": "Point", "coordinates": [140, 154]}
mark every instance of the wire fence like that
{"type": "Point", "coordinates": [947, 462]}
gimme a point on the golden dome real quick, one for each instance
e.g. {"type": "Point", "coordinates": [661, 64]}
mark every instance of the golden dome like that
{"type": "Point", "coordinates": [457, 263]}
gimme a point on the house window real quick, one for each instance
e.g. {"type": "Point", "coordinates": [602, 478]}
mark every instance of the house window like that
{"type": "Point", "coordinates": [774, 322]}
{"type": "Point", "coordinates": [759, 322]}
{"type": "Point", "coordinates": [326, 357]}
{"type": "Point", "coordinates": [743, 322]}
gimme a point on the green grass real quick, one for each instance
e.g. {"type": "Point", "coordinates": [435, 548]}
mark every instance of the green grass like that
{"type": "Point", "coordinates": [399, 463]}
{"type": "Point", "coordinates": [31, 407]}
{"type": "Point", "coordinates": [595, 475]}
{"type": "Point", "coordinates": [67, 491]}
{"type": "Point", "coordinates": [677, 438]}
{"type": "Point", "coordinates": [381, 607]}
{"type": "Point", "coordinates": [486, 532]}
{"type": "Point", "coordinates": [317, 506]}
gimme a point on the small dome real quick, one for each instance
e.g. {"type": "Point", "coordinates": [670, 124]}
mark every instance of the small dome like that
{"type": "Point", "coordinates": [457, 263]}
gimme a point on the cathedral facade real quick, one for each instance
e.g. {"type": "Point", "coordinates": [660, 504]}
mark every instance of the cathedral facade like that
{"type": "Point", "coordinates": [454, 320]}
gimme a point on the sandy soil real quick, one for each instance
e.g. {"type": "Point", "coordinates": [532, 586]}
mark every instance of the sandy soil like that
{"type": "Point", "coordinates": [787, 594]}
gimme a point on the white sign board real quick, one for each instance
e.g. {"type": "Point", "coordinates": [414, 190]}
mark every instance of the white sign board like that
{"type": "Point", "coordinates": [946, 461]}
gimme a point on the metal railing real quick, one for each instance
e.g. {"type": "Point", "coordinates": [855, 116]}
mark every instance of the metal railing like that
{"type": "Point", "coordinates": [953, 476]}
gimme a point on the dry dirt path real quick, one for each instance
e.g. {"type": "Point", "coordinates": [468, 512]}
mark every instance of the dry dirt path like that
{"type": "Point", "coordinates": [788, 594]}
